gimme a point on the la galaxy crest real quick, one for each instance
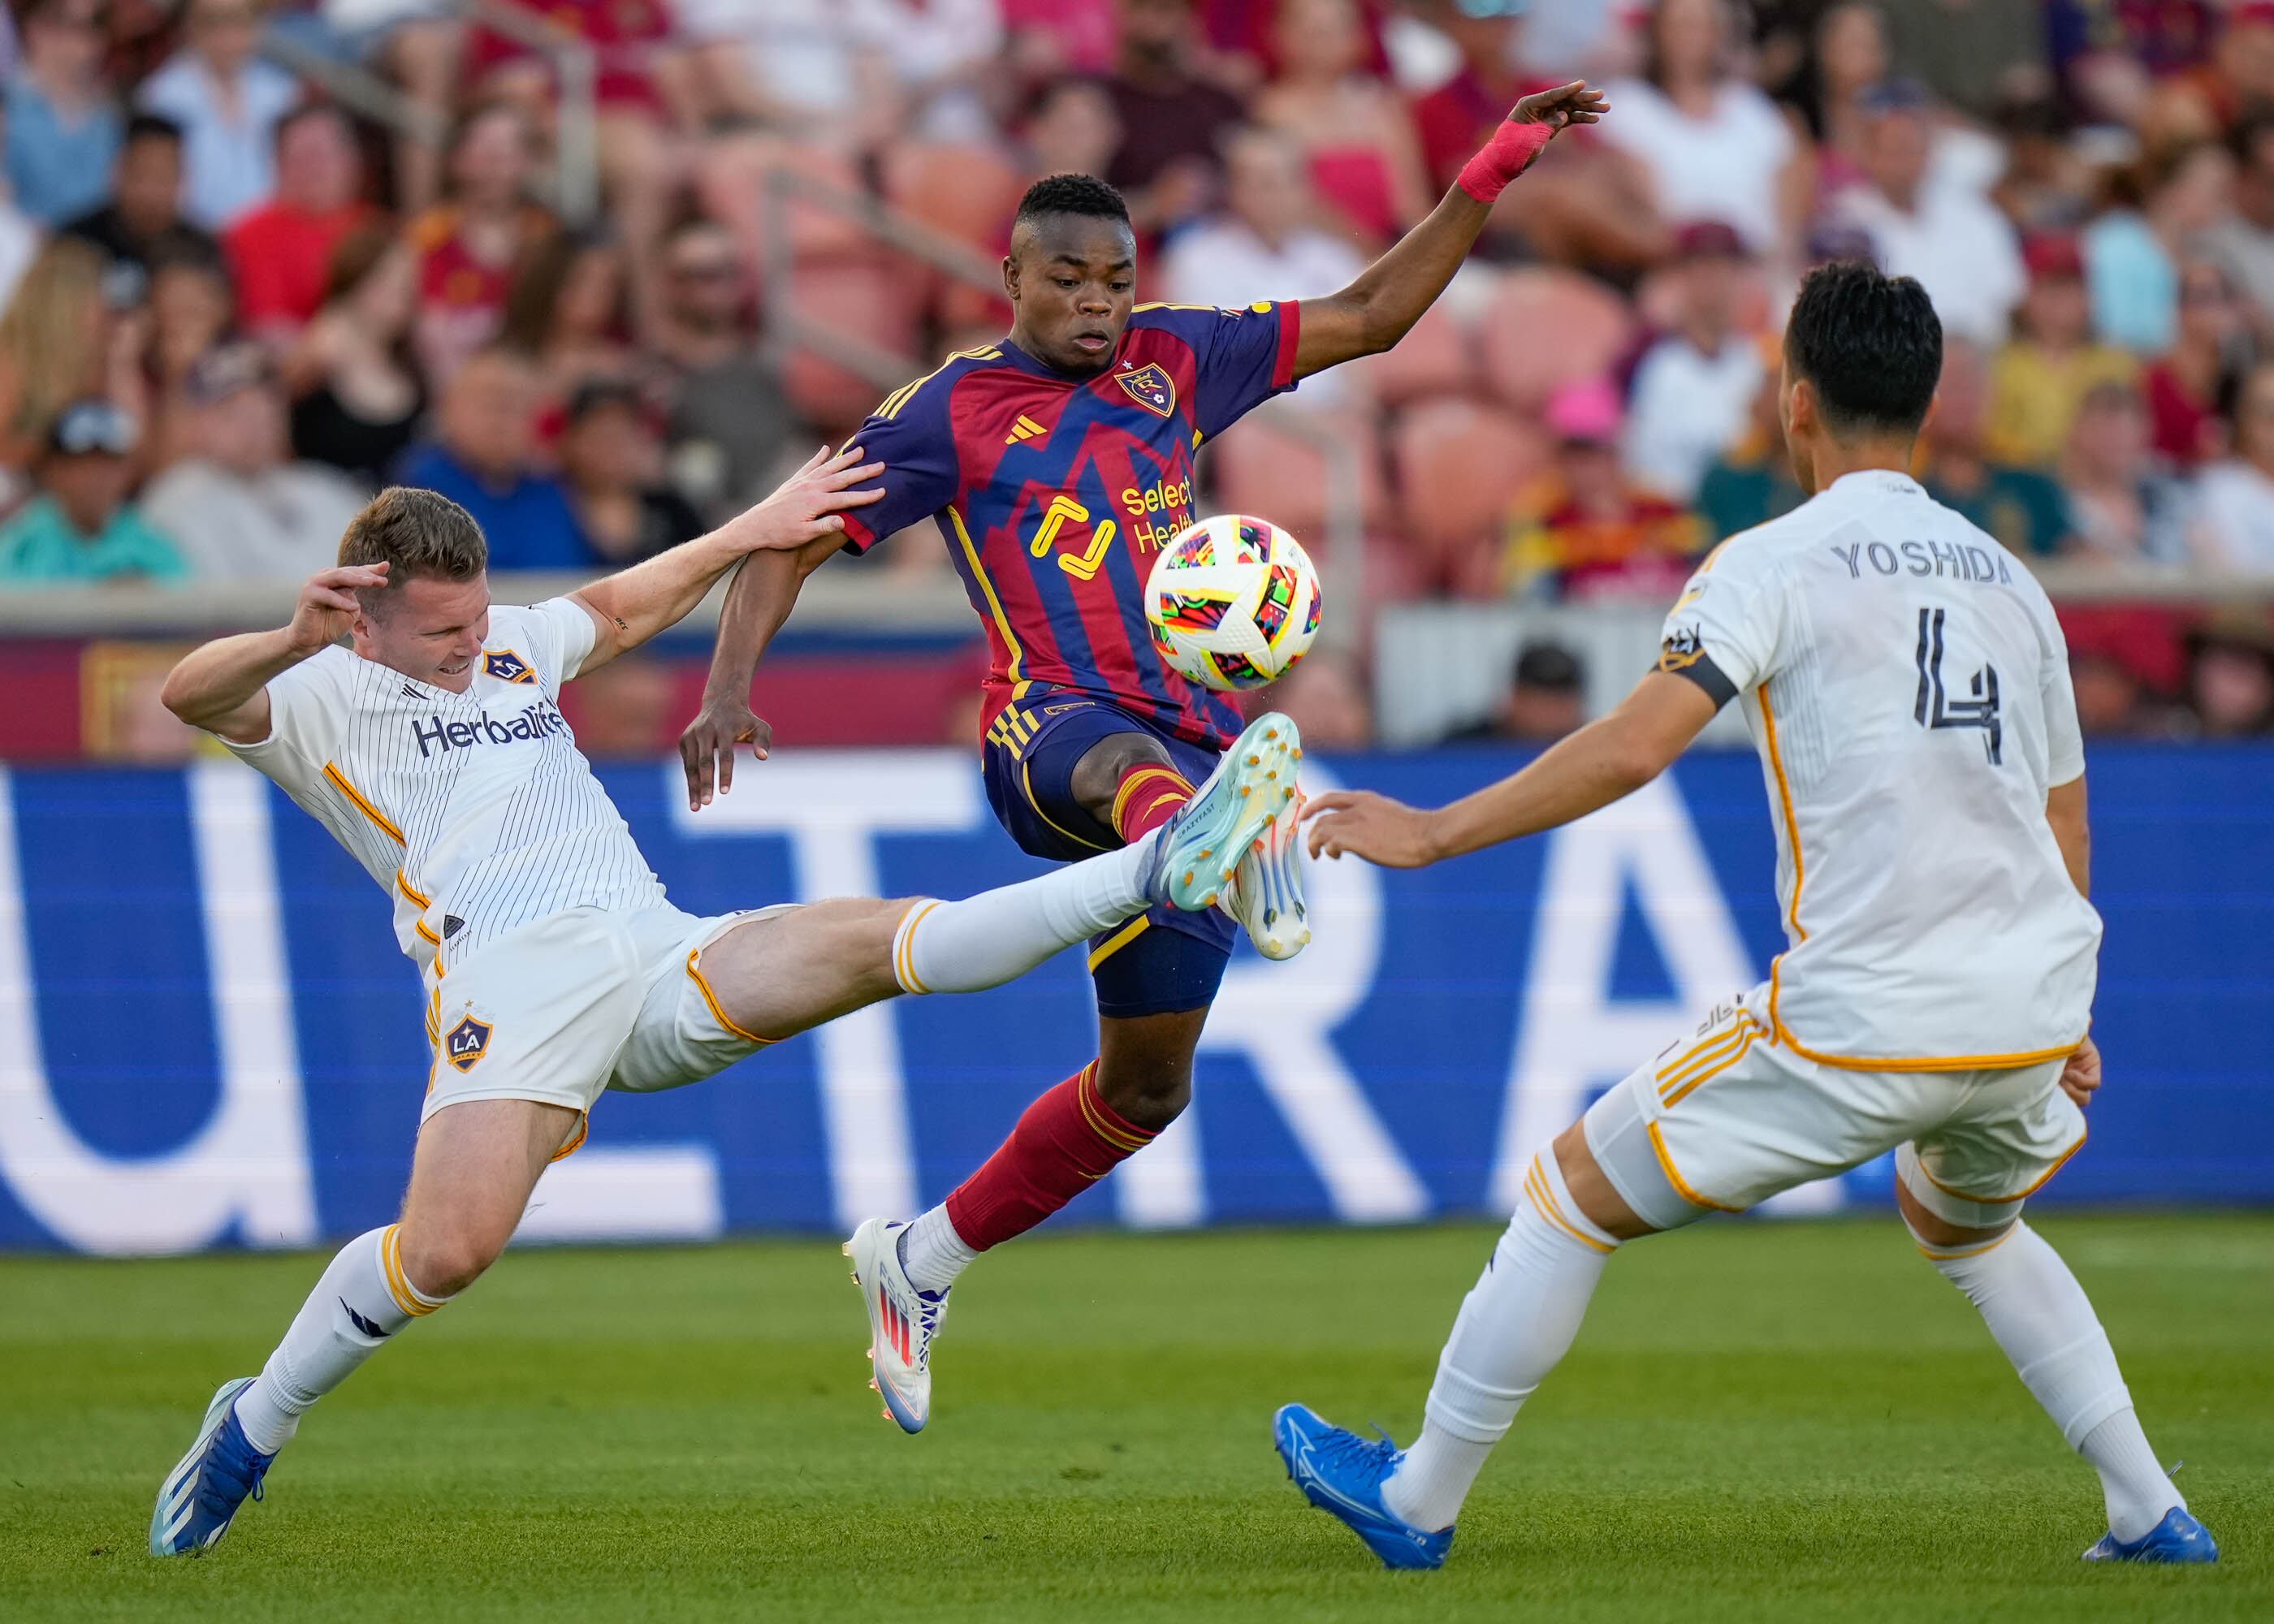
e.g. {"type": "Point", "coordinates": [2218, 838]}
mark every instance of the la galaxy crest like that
{"type": "Point", "coordinates": [507, 666]}
{"type": "Point", "coordinates": [1151, 387]}
{"type": "Point", "coordinates": [465, 1043]}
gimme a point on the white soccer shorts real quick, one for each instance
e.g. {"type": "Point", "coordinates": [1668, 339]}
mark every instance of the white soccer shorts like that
{"type": "Point", "coordinates": [1728, 1117]}
{"type": "Point", "coordinates": [565, 1007]}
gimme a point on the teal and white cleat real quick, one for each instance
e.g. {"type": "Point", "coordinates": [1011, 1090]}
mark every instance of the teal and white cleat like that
{"type": "Point", "coordinates": [202, 1494]}
{"type": "Point", "coordinates": [2178, 1538]}
{"type": "Point", "coordinates": [1265, 898]}
{"type": "Point", "coordinates": [1199, 849]}
{"type": "Point", "coordinates": [902, 1322]}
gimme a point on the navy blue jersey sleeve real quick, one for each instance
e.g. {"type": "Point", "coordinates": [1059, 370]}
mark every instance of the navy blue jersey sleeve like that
{"type": "Point", "coordinates": [912, 434]}
{"type": "Point", "coordinates": [1243, 357]}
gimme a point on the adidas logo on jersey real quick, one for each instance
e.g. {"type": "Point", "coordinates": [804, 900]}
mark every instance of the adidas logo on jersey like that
{"type": "Point", "coordinates": [536, 721]}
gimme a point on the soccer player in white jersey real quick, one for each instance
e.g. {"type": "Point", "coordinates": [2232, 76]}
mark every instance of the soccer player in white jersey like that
{"type": "Point", "coordinates": [1906, 686]}
{"type": "Point", "coordinates": [432, 746]}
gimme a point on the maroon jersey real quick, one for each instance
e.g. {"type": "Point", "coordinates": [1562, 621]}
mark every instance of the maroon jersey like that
{"type": "Point", "coordinates": [1055, 493]}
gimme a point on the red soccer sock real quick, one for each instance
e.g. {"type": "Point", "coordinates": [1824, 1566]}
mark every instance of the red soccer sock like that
{"type": "Point", "coordinates": [1147, 798]}
{"type": "Point", "coordinates": [1067, 1140]}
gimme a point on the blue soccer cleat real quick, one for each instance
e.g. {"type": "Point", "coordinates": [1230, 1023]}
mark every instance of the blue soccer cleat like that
{"type": "Point", "coordinates": [201, 1496]}
{"type": "Point", "coordinates": [2178, 1538]}
{"type": "Point", "coordinates": [1342, 1474]}
{"type": "Point", "coordinates": [1199, 850]}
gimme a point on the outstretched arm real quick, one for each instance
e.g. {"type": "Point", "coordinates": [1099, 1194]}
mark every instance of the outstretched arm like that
{"type": "Point", "coordinates": [759, 600]}
{"type": "Point", "coordinates": [1378, 309]}
{"type": "Point", "coordinates": [634, 605]}
{"type": "Point", "coordinates": [1608, 759]}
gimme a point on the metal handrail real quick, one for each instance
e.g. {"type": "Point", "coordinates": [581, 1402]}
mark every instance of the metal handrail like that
{"type": "Point", "coordinates": [575, 181]}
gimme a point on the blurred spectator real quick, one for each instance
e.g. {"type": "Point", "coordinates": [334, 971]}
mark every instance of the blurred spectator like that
{"type": "Point", "coordinates": [483, 457]}
{"type": "Point", "coordinates": [569, 310]}
{"type": "Point", "coordinates": [1694, 386]}
{"type": "Point", "coordinates": [281, 253]}
{"type": "Point", "coordinates": [1961, 249]}
{"type": "Point", "coordinates": [1047, 38]}
{"type": "Point", "coordinates": [2132, 256]}
{"type": "Point", "coordinates": [2122, 508]}
{"type": "Point", "coordinates": [356, 396]}
{"type": "Point", "coordinates": [20, 235]}
{"type": "Point", "coordinates": [192, 307]}
{"type": "Point", "coordinates": [2234, 519]}
{"type": "Point", "coordinates": [63, 127]}
{"type": "Point", "coordinates": [236, 508]}
{"type": "Point", "coordinates": [2110, 59]}
{"type": "Point", "coordinates": [2020, 507]}
{"type": "Point", "coordinates": [2239, 77]}
{"type": "Point", "coordinates": [1972, 53]}
{"type": "Point", "coordinates": [2044, 373]}
{"type": "Point", "coordinates": [1715, 147]}
{"type": "Point", "coordinates": [80, 527]}
{"type": "Point", "coordinates": [2183, 388]}
{"type": "Point", "coordinates": [1586, 531]}
{"type": "Point", "coordinates": [848, 72]}
{"type": "Point", "coordinates": [228, 102]}
{"type": "Point", "coordinates": [60, 342]}
{"type": "Point", "coordinates": [1261, 245]}
{"type": "Point", "coordinates": [1546, 698]}
{"type": "Point", "coordinates": [2230, 674]}
{"type": "Point", "coordinates": [1584, 200]}
{"type": "Point", "coordinates": [1848, 54]}
{"type": "Point", "coordinates": [2047, 185]}
{"type": "Point", "coordinates": [468, 247]}
{"type": "Point", "coordinates": [1753, 481]}
{"type": "Point", "coordinates": [2111, 702]}
{"type": "Point", "coordinates": [418, 44]}
{"type": "Point", "coordinates": [2242, 243]}
{"type": "Point", "coordinates": [1171, 119]}
{"type": "Point", "coordinates": [1327, 697]}
{"type": "Point", "coordinates": [1072, 128]}
{"type": "Point", "coordinates": [612, 462]}
{"type": "Point", "coordinates": [143, 217]}
{"type": "Point", "coordinates": [1354, 134]}
{"type": "Point", "coordinates": [729, 420]}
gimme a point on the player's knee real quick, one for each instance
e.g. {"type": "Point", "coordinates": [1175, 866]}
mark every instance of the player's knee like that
{"type": "Point", "coordinates": [1096, 777]}
{"type": "Point", "coordinates": [1150, 1091]}
{"type": "Point", "coordinates": [442, 1260]}
{"type": "Point", "coordinates": [1939, 1237]}
{"type": "Point", "coordinates": [1592, 1192]}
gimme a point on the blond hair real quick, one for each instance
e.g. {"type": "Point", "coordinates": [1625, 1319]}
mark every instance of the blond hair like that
{"type": "Point", "coordinates": [46, 354]}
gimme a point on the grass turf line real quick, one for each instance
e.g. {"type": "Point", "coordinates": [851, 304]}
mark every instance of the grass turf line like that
{"type": "Point", "coordinates": [1760, 1421]}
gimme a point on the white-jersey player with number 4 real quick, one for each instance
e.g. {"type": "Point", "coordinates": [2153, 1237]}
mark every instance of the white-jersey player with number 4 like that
{"type": "Point", "coordinates": [1906, 686]}
{"type": "Point", "coordinates": [421, 726]}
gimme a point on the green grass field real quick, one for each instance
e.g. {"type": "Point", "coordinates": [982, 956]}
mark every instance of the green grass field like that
{"type": "Point", "coordinates": [1760, 1421]}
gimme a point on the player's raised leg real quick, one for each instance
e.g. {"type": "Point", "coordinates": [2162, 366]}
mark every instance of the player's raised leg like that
{"type": "Point", "coordinates": [2042, 1321]}
{"type": "Point", "coordinates": [476, 1164]}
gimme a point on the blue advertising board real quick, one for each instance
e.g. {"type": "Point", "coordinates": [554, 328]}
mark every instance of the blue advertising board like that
{"type": "Point", "coordinates": [207, 1038]}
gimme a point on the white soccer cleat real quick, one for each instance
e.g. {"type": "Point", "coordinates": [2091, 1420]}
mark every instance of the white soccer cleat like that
{"type": "Point", "coordinates": [902, 1322]}
{"type": "Point", "coordinates": [1265, 897]}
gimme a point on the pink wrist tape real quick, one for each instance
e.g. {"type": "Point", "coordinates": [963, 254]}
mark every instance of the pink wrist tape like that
{"type": "Point", "coordinates": [1506, 155]}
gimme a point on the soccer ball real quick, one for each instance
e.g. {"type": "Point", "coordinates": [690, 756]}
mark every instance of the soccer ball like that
{"type": "Point", "coordinates": [1233, 602]}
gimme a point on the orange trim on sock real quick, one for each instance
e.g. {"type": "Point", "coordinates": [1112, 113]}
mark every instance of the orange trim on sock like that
{"type": "Point", "coordinates": [1102, 1119]}
{"type": "Point", "coordinates": [903, 952]}
{"type": "Point", "coordinates": [398, 1284]}
{"type": "Point", "coordinates": [1535, 1185]}
{"type": "Point", "coordinates": [1163, 783]}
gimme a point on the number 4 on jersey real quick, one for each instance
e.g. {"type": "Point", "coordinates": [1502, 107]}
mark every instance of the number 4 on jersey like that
{"type": "Point", "coordinates": [1936, 709]}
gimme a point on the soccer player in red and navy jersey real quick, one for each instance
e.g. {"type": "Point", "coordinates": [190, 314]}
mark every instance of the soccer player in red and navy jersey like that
{"type": "Point", "coordinates": [1058, 462]}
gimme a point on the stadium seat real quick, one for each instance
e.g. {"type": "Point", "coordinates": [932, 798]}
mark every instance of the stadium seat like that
{"type": "Point", "coordinates": [1458, 465]}
{"type": "Point", "coordinates": [1265, 467]}
{"type": "Point", "coordinates": [733, 181]}
{"type": "Point", "coordinates": [865, 297]}
{"type": "Point", "coordinates": [1545, 327]}
{"type": "Point", "coordinates": [965, 192]}
{"type": "Point", "coordinates": [1439, 356]}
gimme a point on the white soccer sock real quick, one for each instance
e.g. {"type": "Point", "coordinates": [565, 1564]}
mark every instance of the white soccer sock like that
{"type": "Point", "coordinates": [2043, 1321]}
{"type": "Point", "coordinates": [999, 936]}
{"type": "Point", "coordinates": [932, 1254]}
{"type": "Point", "coordinates": [363, 1299]}
{"type": "Point", "coordinates": [1515, 1326]}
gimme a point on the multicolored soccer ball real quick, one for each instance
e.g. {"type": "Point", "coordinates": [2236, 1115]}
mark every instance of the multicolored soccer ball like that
{"type": "Point", "coordinates": [1233, 602]}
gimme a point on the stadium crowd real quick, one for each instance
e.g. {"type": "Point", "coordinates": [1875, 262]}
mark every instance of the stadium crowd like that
{"type": "Point", "coordinates": [232, 307]}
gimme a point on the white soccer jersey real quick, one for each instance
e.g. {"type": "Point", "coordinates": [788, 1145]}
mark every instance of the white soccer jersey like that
{"type": "Point", "coordinates": [475, 810]}
{"type": "Point", "coordinates": [1907, 686]}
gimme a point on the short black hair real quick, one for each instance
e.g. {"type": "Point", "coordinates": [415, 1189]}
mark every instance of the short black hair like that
{"type": "Point", "coordinates": [1072, 194]}
{"type": "Point", "coordinates": [2249, 129]}
{"type": "Point", "coordinates": [150, 127]}
{"type": "Point", "coordinates": [1870, 343]}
